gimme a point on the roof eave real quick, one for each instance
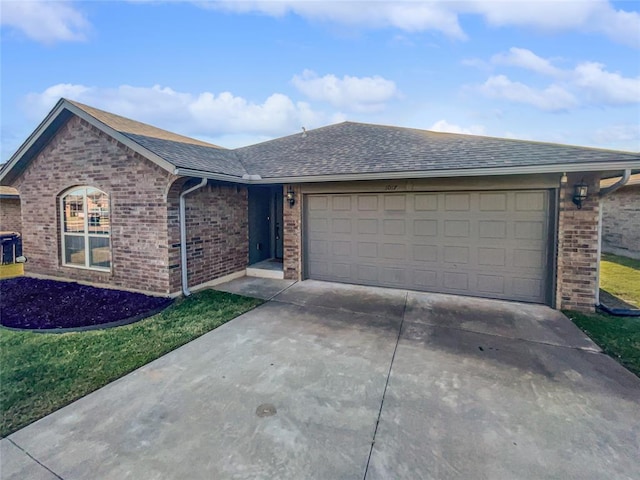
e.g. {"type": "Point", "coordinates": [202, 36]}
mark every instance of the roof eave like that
{"type": "Point", "coordinates": [468, 172]}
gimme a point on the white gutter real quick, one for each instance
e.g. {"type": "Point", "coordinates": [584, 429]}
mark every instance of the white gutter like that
{"type": "Point", "coordinates": [619, 184]}
{"type": "Point", "coordinates": [463, 172]}
{"type": "Point", "coordinates": [183, 236]}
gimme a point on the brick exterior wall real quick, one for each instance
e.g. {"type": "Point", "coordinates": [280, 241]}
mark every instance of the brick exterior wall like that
{"type": "Point", "coordinates": [82, 155]}
{"type": "Point", "coordinates": [621, 222]}
{"type": "Point", "coordinates": [217, 232]}
{"type": "Point", "coordinates": [10, 216]}
{"type": "Point", "coordinates": [144, 201]}
{"type": "Point", "coordinates": [292, 240]}
{"type": "Point", "coordinates": [577, 263]}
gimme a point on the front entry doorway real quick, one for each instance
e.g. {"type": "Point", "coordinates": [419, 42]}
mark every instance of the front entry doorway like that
{"type": "Point", "coordinates": [265, 223]}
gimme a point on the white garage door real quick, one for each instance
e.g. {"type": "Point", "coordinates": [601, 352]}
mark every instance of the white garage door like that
{"type": "Point", "coordinates": [487, 244]}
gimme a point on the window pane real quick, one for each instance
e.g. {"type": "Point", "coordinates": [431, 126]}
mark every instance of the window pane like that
{"type": "Point", "coordinates": [99, 254]}
{"type": "Point", "coordinates": [74, 250]}
{"type": "Point", "coordinates": [73, 211]}
{"type": "Point", "coordinates": [98, 208]}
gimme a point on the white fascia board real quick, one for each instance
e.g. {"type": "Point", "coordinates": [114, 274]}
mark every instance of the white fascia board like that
{"type": "Point", "coordinates": [188, 172]}
{"type": "Point", "coordinates": [28, 143]}
{"type": "Point", "coordinates": [469, 172]}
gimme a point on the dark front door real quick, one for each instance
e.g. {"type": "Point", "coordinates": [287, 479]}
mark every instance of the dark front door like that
{"type": "Point", "coordinates": [277, 216]}
{"type": "Point", "coordinates": [259, 224]}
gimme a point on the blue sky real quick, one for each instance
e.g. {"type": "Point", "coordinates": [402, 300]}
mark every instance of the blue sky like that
{"type": "Point", "coordinates": [235, 73]}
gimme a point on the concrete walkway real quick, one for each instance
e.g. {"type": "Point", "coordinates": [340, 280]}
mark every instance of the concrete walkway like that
{"type": "Point", "coordinates": [329, 381]}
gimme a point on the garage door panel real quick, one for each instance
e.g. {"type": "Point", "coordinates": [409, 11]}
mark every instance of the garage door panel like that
{"type": "Point", "coordinates": [456, 281]}
{"type": "Point", "coordinates": [394, 251]}
{"type": "Point", "coordinates": [367, 203]}
{"type": "Point", "coordinates": [425, 202]}
{"type": "Point", "coordinates": [457, 202]}
{"type": "Point", "coordinates": [341, 225]}
{"type": "Point", "coordinates": [425, 278]}
{"type": "Point", "coordinates": [394, 276]}
{"type": "Point", "coordinates": [341, 203]}
{"type": "Point", "coordinates": [394, 226]}
{"type": "Point", "coordinates": [341, 248]}
{"type": "Point", "coordinates": [425, 253]}
{"type": "Point", "coordinates": [530, 201]}
{"type": "Point", "coordinates": [492, 257]}
{"type": "Point", "coordinates": [368, 226]}
{"type": "Point", "coordinates": [453, 254]}
{"type": "Point", "coordinates": [457, 228]}
{"type": "Point", "coordinates": [529, 230]}
{"type": "Point", "coordinates": [491, 244]}
{"type": "Point", "coordinates": [493, 284]}
{"type": "Point", "coordinates": [425, 228]}
{"type": "Point", "coordinates": [493, 202]}
{"type": "Point", "coordinates": [492, 229]}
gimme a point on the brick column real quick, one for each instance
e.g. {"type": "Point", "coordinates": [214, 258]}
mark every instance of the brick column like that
{"type": "Point", "coordinates": [577, 265]}
{"type": "Point", "coordinates": [292, 241]}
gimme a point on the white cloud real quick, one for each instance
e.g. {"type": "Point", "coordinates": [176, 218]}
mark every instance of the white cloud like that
{"type": "Point", "coordinates": [444, 126]}
{"type": "Point", "coordinates": [591, 16]}
{"type": "Point", "coordinates": [606, 87]}
{"type": "Point", "coordinates": [588, 83]}
{"type": "Point", "coordinates": [410, 16]}
{"type": "Point", "coordinates": [553, 98]}
{"type": "Point", "coordinates": [615, 135]}
{"type": "Point", "coordinates": [523, 58]}
{"type": "Point", "coordinates": [205, 114]}
{"type": "Point", "coordinates": [363, 94]}
{"type": "Point", "coordinates": [598, 16]}
{"type": "Point", "coordinates": [45, 21]}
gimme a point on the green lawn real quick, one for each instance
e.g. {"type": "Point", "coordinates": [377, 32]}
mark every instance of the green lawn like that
{"type": "Point", "coordinates": [620, 276]}
{"type": "Point", "coordinates": [43, 372]}
{"type": "Point", "coordinates": [617, 336]}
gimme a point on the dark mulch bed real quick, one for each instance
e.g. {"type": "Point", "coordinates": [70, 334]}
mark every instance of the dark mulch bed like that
{"type": "Point", "coordinates": [31, 303]}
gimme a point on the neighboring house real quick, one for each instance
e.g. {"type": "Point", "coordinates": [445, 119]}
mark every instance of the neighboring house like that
{"type": "Point", "coordinates": [621, 219]}
{"type": "Point", "coordinates": [10, 216]}
{"type": "Point", "coordinates": [112, 201]}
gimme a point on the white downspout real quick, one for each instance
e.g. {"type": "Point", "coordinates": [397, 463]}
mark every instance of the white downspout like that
{"type": "Point", "coordinates": [604, 192]}
{"type": "Point", "coordinates": [183, 236]}
{"type": "Point", "coordinates": [619, 184]}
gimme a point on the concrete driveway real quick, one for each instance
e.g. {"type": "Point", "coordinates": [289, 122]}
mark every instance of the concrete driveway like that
{"type": "Point", "coordinates": [328, 381]}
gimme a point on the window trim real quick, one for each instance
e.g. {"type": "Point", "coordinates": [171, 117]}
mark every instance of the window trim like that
{"type": "Point", "coordinates": [86, 235]}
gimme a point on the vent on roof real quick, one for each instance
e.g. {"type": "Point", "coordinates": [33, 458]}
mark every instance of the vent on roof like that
{"type": "Point", "coordinates": [304, 132]}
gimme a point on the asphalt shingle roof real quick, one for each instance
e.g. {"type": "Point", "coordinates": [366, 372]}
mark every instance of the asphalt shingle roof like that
{"type": "Point", "coordinates": [352, 148]}
{"type": "Point", "coordinates": [193, 157]}
{"type": "Point", "coordinates": [181, 151]}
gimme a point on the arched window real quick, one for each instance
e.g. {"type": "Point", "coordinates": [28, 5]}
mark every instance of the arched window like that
{"type": "Point", "coordinates": [86, 228]}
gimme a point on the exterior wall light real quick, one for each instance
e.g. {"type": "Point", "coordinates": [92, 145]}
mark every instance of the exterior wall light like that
{"type": "Point", "coordinates": [579, 193]}
{"type": "Point", "coordinates": [291, 196]}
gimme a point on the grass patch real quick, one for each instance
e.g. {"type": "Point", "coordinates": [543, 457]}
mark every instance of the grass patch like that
{"type": "Point", "coordinates": [44, 372]}
{"type": "Point", "coordinates": [11, 270]}
{"type": "Point", "coordinates": [619, 337]}
{"type": "Point", "coordinates": [620, 276]}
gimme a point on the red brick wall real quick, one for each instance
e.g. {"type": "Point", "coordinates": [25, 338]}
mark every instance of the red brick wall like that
{"type": "Point", "coordinates": [577, 265]}
{"type": "Point", "coordinates": [82, 155]}
{"type": "Point", "coordinates": [217, 232]}
{"type": "Point", "coordinates": [292, 240]}
{"type": "Point", "coordinates": [10, 216]}
{"type": "Point", "coordinates": [621, 222]}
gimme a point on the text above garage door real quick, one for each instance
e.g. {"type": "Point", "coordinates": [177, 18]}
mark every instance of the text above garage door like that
{"type": "Point", "coordinates": [488, 244]}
